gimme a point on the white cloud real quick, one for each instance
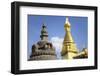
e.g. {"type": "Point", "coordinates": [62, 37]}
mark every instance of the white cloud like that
{"type": "Point", "coordinates": [57, 43]}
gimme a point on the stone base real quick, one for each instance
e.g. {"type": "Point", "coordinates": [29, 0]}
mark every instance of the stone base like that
{"type": "Point", "coordinates": [43, 57]}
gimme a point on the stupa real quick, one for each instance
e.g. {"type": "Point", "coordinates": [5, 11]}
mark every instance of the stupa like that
{"type": "Point", "coordinates": [69, 48]}
{"type": "Point", "coordinates": [44, 49]}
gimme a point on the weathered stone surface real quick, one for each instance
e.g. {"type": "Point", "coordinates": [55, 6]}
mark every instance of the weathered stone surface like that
{"type": "Point", "coordinates": [43, 50]}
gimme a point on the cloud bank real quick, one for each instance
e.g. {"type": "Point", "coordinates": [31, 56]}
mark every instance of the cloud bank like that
{"type": "Point", "coordinates": [57, 43]}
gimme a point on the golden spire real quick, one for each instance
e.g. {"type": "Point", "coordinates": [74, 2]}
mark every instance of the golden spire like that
{"type": "Point", "coordinates": [69, 48]}
{"type": "Point", "coordinates": [67, 26]}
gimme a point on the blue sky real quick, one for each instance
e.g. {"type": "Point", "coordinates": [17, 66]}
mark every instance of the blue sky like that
{"type": "Point", "coordinates": [55, 28]}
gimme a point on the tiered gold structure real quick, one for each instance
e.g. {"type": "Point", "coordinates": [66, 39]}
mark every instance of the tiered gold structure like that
{"type": "Point", "coordinates": [83, 54]}
{"type": "Point", "coordinates": [69, 48]}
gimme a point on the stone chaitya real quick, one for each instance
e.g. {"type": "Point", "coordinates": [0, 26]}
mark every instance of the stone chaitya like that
{"type": "Point", "coordinates": [43, 50]}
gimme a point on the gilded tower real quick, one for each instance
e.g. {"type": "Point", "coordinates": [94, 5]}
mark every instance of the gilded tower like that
{"type": "Point", "coordinates": [69, 49]}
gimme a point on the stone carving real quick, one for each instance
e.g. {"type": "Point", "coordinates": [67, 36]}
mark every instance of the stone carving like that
{"type": "Point", "coordinates": [43, 50]}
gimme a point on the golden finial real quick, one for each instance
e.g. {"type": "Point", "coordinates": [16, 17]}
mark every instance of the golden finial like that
{"type": "Point", "coordinates": [67, 24]}
{"type": "Point", "coordinates": [67, 21]}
